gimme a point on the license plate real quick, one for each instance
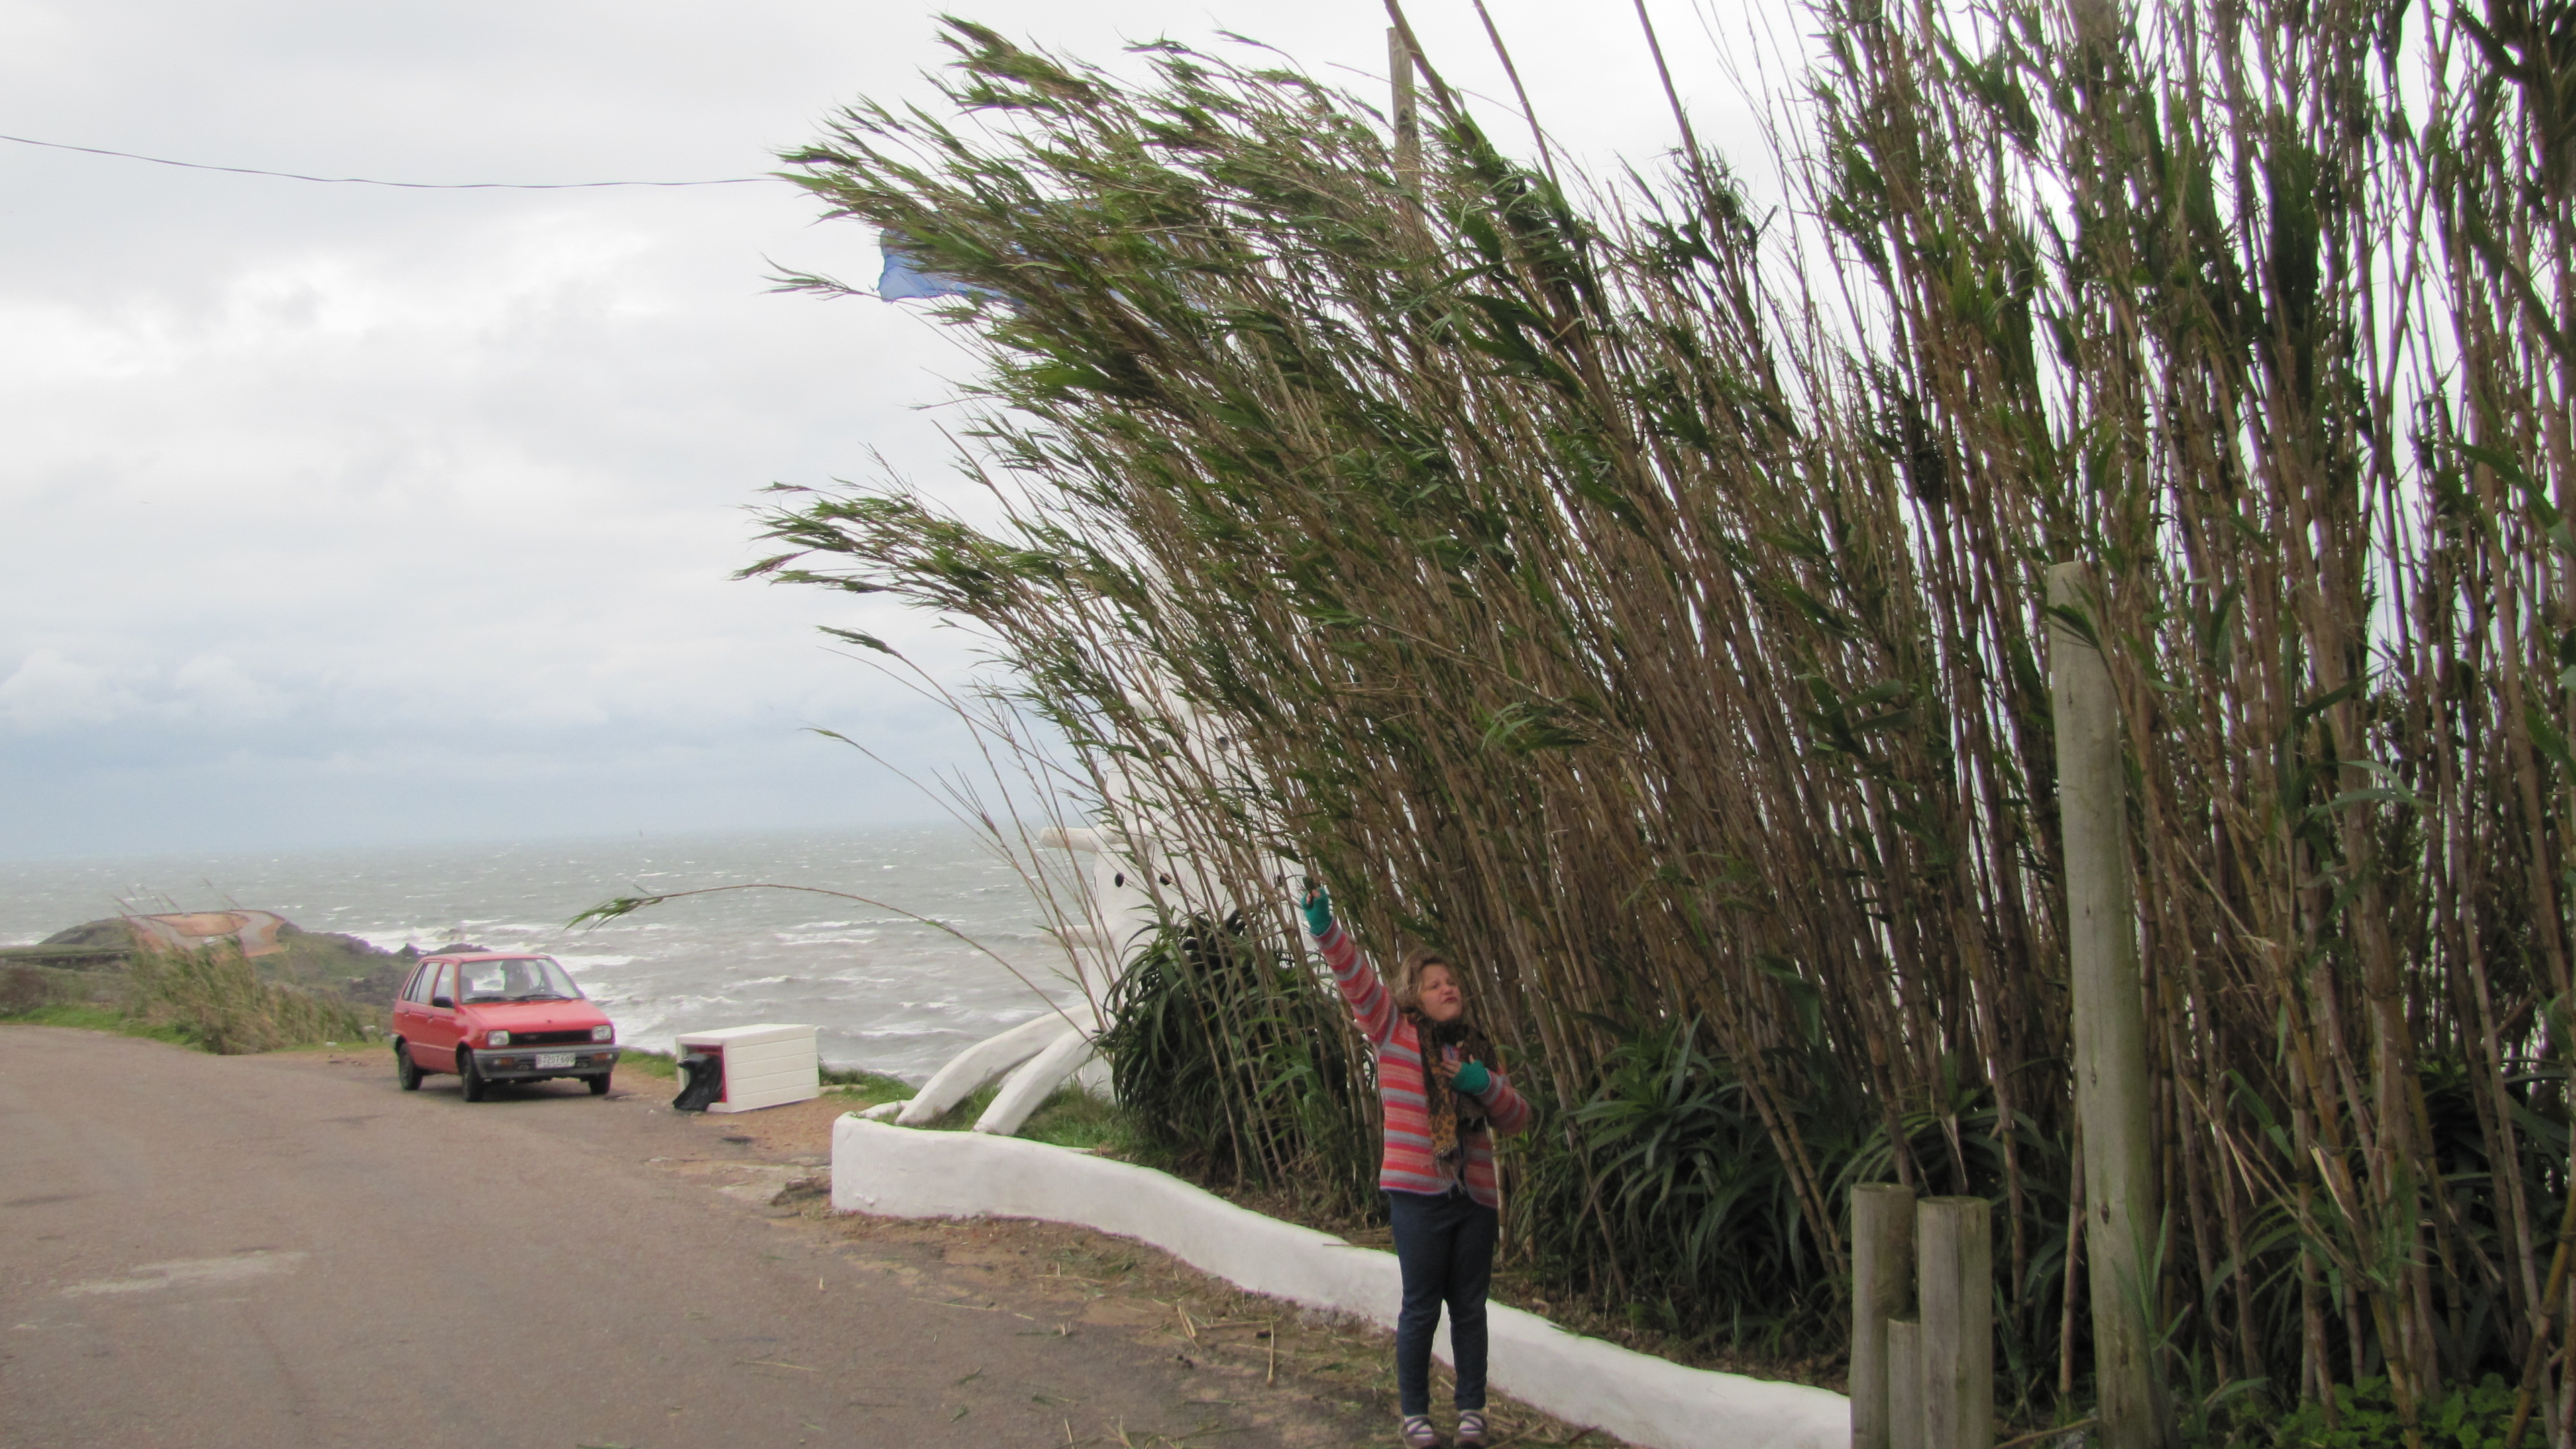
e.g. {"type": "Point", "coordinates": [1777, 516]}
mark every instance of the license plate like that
{"type": "Point", "coordinates": [547, 1061]}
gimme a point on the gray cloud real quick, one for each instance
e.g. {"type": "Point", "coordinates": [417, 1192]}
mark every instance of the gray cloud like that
{"type": "Point", "coordinates": [343, 514]}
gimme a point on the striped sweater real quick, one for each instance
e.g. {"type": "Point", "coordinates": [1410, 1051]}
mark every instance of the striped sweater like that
{"type": "Point", "coordinates": [1408, 1165]}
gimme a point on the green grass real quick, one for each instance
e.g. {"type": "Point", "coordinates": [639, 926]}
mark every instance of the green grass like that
{"type": "Point", "coordinates": [92, 1017]}
{"type": "Point", "coordinates": [865, 1089]}
{"type": "Point", "coordinates": [651, 1064]}
{"type": "Point", "coordinates": [1071, 1117]}
{"type": "Point", "coordinates": [1075, 1118]}
{"type": "Point", "coordinates": [962, 1116]}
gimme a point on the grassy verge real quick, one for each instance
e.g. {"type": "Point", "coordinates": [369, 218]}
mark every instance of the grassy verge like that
{"type": "Point", "coordinates": [1071, 1117]}
{"type": "Point", "coordinates": [211, 1000]}
{"type": "Point", "coordinates": [864, 1089]}
{"type": "Point", "coordinates": [649, 1063]}
{"type": "Point", "coordinates": [1075, 1118]}
{"type": "Point", "coordinates": [92, 1016]}
{"type": "Point", "coordinates": [216, 999]}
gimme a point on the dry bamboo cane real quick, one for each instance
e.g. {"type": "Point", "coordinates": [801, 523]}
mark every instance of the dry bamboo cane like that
{"type": "Point", "coordinates": [2538, 1354]}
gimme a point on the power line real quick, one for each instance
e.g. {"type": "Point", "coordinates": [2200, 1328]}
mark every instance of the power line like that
{"type": "Point", "coordinates": [370, 181]}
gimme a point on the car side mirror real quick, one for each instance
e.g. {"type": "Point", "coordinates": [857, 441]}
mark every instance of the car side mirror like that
{"type": "Point", "coordinates": [448, 1002]}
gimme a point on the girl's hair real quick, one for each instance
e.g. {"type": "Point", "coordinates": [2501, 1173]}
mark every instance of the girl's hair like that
{"type": "Point", "coordinates": [1407, 991]}
{"type": "Point", "coordinates": [1407, 986]}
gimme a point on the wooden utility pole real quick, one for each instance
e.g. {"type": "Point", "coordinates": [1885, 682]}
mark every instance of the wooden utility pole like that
{"type": "Point", "coordinates": [1882, 1289]}
{"type": "Point", "coordinates": [2110, 1017]}
{"type": "Point", "coordinates": [1408, 116]}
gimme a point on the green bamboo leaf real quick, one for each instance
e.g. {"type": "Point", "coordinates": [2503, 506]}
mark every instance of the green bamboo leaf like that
{"type": "Point", "coordinates": [868, 641]}
{"type": "Point", "coordinates": [2545, 734]}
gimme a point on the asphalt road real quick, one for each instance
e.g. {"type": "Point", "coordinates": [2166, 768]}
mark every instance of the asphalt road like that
{"type": "Point", "coordinates": [239, 1251]}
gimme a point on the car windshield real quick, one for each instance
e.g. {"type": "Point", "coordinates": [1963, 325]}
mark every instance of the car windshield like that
{"type": "Point", "coordinates": [518, 978]}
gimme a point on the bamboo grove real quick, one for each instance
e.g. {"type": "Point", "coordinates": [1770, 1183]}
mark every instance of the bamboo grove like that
{"type": "Point", "coordinates": [1641, 595]}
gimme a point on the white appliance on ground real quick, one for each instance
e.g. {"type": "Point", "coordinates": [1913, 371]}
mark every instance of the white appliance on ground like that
{"type": "Point", "coordinates": [767, 1065]}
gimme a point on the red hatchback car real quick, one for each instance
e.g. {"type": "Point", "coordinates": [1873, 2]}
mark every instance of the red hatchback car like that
{"type": "Point", "coordinates": [499, 1016]}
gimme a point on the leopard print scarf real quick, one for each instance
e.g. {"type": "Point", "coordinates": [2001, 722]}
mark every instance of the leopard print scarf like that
{"type": "Point", "coordinates": [1453, 1114]}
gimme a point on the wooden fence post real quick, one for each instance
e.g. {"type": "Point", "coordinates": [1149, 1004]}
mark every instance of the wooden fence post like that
{"type": "Point", "coordinates": [2110, 1016]}
{"type": "Point", "coordinates": [1882, 1288]}
{"type": "Point", "coordinates": [1904, 1384]}
{"type": "Point", "coordinates": [1955, 1246]}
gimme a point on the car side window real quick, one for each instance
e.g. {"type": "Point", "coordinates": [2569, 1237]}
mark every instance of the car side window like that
{"type": "Point", "coordinates": [417, 989]}
{"type": "Point", "coordinates": [441, 982]}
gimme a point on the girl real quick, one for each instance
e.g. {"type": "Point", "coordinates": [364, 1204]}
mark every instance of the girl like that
{"type": "Point", "coordinates": [1444, 1098]}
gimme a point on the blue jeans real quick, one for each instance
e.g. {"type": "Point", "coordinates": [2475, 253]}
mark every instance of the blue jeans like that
{"type": "Point", "coordinates": [1445, 1245]}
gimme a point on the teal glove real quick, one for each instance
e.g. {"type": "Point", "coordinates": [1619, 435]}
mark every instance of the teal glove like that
{"type": "Point", "coordinates": [1318, 907]}
{"type": "Point", "coordinates": [1472, 1078]}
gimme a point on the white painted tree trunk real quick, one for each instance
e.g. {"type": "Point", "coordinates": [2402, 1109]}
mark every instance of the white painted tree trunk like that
{"type": "Point", "coordinates": [968, 1071]}
{"type": "Point", "coordinates": [1030, 1086]}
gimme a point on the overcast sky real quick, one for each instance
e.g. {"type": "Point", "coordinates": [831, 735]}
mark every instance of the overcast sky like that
{"type": "Point", "coordinates": [342, 515]}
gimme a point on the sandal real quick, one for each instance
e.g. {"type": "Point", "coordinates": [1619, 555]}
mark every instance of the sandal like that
{"type": "Point", "coordinates": [1471, 1428]}
{"type": "Point", "coordinates": [1417, 1432]}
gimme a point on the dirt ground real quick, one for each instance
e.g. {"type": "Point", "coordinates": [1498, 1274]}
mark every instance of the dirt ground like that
{"type": "Point", "coordinates": [288, 1250]}
{"type": "Point", "coordinates": [1059, 1278]}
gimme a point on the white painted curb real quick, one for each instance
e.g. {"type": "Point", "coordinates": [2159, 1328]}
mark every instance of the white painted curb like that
{"type": "Point", "coordinates": [900, 1172]}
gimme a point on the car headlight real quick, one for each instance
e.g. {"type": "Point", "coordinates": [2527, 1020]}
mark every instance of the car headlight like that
{"type": "Point", "coordinates": [496, 1038]}
{"type": "Point", "coordinates": [603, 1033]}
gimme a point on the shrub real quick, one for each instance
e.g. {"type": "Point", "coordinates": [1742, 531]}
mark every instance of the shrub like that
{"type": "Point", "coordinates": [23, 989]}
{"type": "Point", "coordinates": [1240, 1065]}
{"type": "Point", "coordinates": [214, 998]}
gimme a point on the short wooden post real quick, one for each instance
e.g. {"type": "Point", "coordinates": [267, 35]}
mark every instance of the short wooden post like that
{"type": "Point", "coordinates": [1955, 1247]}
{"type": "Point", "coordinates": [2110, 1015]}
{"type": "Point", "coordinates": [1904, 1384]}
{"type": "Point", "coordinates": [1882, 1288]}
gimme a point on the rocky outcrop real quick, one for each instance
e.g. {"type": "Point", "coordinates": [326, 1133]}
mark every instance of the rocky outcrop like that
{"type": "Point", "coordinates": [329, 961]}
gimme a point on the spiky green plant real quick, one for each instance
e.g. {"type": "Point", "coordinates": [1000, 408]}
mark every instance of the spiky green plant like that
{"type": "Point", "coordinates": [1232, 1063]}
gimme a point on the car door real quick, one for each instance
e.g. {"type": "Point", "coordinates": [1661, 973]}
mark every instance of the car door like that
{"type": "Point", "coordinates": [438, 1026]}
{"type": "Point", "coordinates": [402, 1006]}
{"type": "Point", "coordinates": [406, 1005]}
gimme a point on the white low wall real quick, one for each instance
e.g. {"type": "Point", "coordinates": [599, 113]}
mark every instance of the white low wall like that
{"type": "Point", "coordinates": [901, 1172]}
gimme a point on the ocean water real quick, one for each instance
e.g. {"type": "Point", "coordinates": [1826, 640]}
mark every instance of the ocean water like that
{"type": "Point", "coordinates": [889, 993]}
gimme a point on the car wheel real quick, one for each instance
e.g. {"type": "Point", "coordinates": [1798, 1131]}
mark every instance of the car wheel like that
{"type": "Point", "coordinates": [406, 1071]}
{"type": "Point", "coordinates": [471, 1079]}
{"type": "Point", "coordinates": [599, 1085]}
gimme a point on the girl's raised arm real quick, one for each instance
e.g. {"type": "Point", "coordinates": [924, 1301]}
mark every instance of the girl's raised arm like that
{"type": "Point", "coordinates": [1370, 1001]}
